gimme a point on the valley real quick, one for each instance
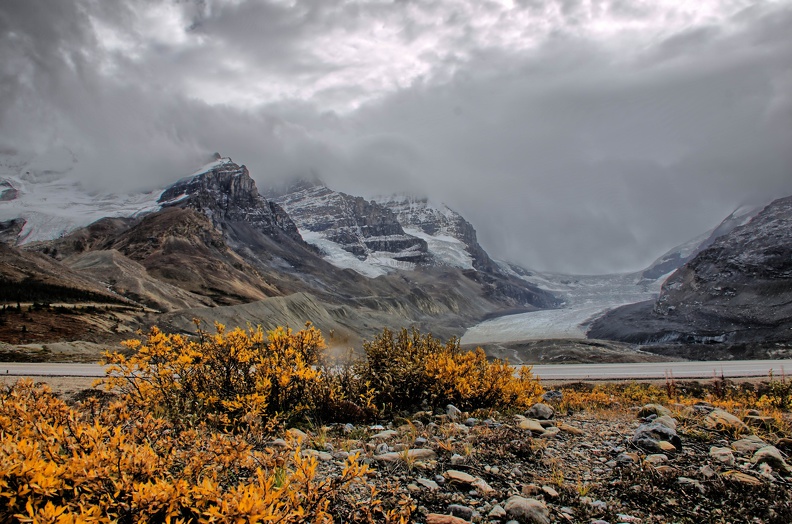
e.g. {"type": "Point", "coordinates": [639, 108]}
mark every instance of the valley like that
{"type": "Point", "coordinates": [211, 247]}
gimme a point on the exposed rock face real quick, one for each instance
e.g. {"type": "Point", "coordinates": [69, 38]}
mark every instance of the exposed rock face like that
{"type": "Point", "coordinates": [683, 253]}
{"type": "Point", "coordinates": [363, 228]}
{"type": "Point", "coordinates": [7, 191]}
{"type": "Point", "coordinates": [420, 216]}
{"type": "Point", "coordinates": [225, 192]}
{"type": "Point", "coordinates": [10, 229]}
{"type": "Point", "coordinates": [738, 290]}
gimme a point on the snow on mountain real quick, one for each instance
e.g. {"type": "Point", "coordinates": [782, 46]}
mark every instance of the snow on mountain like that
{"type": "Point", "coordinates": [47, 194]}
{"type": "Point", "coordinates": [451, 239]}
{"type": "Point", "coordinates": [676, 257]}
{"type": "Point", "coordinates": [353, 233]}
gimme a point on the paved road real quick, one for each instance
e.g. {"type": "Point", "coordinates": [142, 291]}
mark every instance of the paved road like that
{"type": "Point", "coordinates": [677, 370]}
{"type": "Point", "coordinates": [651, 370]}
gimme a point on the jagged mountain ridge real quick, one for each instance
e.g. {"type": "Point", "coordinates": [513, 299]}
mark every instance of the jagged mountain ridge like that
{"type": "Point", "coordinates": [736, 291]}
{"type": "Point", "coordinates": [213, 240]}
{"type": "Point", "coordinates": [368, 231]}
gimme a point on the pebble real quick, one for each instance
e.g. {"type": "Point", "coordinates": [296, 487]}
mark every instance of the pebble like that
{"type": "Point", "coordinates": [385, 435]}
{"type": "Point", "coordinates": [411, 455]}
{"type": "Point", "coordinates": [463, 512]}
{"type": "Point", "coordinates": [657, 458]}
{"type": "Point", "coordinates": [742, 478]}
{"type": "Point", "coordinates": [428, 484]}
{"type": "Point", "coordinates": [436, 518]}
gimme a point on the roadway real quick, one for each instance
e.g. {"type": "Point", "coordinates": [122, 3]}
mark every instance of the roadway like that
{"type": "Point", "coordinates": [643, 370]}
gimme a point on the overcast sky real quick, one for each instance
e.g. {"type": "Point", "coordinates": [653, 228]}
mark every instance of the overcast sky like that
{"type": "Point", "coordinates": [577, 136]}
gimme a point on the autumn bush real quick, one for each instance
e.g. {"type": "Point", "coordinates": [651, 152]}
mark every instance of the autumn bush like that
{"type": "Point", "coordinates": [228, 379]}
{"type": "Point", "coordinates": [407, 371]}
{"type": "Point", "coordinates": [60, 464]}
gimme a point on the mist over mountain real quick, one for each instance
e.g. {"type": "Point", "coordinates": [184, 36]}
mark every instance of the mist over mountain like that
{"type": "Point", "coordinates": [602, 133]}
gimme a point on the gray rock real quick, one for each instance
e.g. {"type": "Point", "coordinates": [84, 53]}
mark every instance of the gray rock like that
{"type": "Point", "coordinates": [385, 435]}
{"type": "Point", "coordinates": [457, 459]}
{"type": "Point", "coordinates": [497, 512]}
{"type": "Point", "coordinates": [685, 481]}
{"type": "Point", "coordinates": [748, 445]}
{"type": "Point", "coordinates": [667, 421]}
{"type": "Point", "coordinates": [649, 437]}
{"type": "Point", "coordinates": [553, 395]}
{"type": "Point", "coordinates": [428, 484]}
{"type": "Point", "coordinates": [463, 512]}
{"type": "Point", "coordinates": [653, 409]}
{"type": "Point", "coordinates": [411, 455]}
{"type": "Point", "coordinates": [722, 455]}
{"type": "Point", "coordinates": [657, 458]}
{"type": "Point", "coordinates": [540, 411]}
{"type": "Point", "coordinates": [471, 421]}
{"type": "Point", "coordinates": [527, 511]}
{"type": "Point", "coordinates": [720, 420]}
{"type": "Point", "coordinates": [453, 412]}
{"type": "Point", "coordinates": [772, 457]}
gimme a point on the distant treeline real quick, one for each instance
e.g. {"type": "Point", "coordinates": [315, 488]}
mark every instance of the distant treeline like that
{"type": "Point", "coordinates": [32, 291]}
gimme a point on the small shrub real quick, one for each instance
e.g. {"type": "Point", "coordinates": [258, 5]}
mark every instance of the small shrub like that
{"type": "Point", "coordinates": [408, 371]}
{"type": "Point", "coordinates": [62, 464]}
{"type": "Point", "coordinates": [227, 379]}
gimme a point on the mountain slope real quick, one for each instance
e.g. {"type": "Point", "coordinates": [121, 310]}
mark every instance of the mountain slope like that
{"type": "Point", "coordinates": [681, 254]}
{"type": "Point", "coordinates": [212, 240]}
{"type": "Point", "coordinates": [351, 232]}
{"type": "Point", "coordinates": [736, 291]}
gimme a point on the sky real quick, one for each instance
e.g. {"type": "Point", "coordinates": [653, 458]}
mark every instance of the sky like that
{"type": "Point", "coordinates": [577, 136]}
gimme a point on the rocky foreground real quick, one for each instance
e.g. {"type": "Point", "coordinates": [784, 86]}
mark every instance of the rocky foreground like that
{"type": "Point", "coordinates": [651, 463]}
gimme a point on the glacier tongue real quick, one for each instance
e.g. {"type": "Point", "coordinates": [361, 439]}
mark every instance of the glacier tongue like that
{"type": "Point", "coordinates": [587, 297]}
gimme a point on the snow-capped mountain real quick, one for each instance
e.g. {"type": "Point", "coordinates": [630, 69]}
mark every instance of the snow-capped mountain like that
{"type": "Point", "coordinates": [41, 198]}
{"type": "Point", "coordinates": [375, 237]}
{"type": "Point", "coordinates": [736, 291]}
{"type": "Point", "coordinates": [679, 255]}
{"type": "Point", "coordinates": [451, 239]}
{"type": "Point", "coordinates": [351, 232]}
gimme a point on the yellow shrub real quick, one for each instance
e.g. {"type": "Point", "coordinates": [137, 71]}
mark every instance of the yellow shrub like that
{"type": "Point", "coordinates": [58, 464]}
{"type": "Point", "coordinates": [225, 379]}
{"type": "Point", "coordinates": [409, 370]}
{"type": "Point", "coordinates": [470, 381]}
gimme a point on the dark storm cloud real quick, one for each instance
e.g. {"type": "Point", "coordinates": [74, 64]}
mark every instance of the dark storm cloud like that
{"type": "Point", "coordinates": [576, 136]}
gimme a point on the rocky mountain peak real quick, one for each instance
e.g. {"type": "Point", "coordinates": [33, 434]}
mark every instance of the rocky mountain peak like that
{"type": "Point", "coordinates": [440, 226]}
{"type": "Point", "coordinates": [365, 229]}
{"type": "Point", "coordinates": [224, 191]}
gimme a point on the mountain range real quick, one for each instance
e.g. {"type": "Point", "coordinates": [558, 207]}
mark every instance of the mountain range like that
{"type": "Point", "coordinates": [211, 246]}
